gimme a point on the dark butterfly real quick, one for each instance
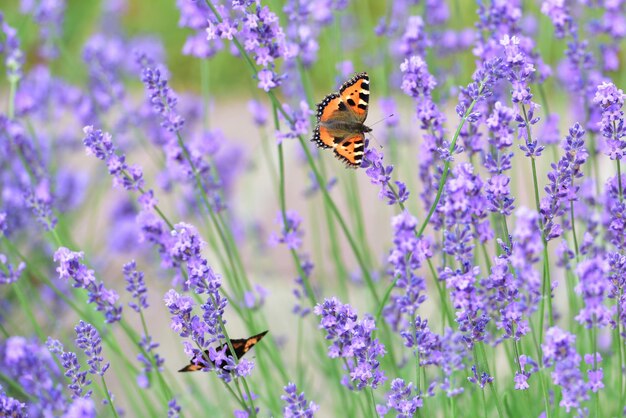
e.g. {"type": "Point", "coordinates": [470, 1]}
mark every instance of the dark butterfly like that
{"type": "Point", "coordinates": [241, 347]}
{"type": "Point", "coordinates": [341, 120]}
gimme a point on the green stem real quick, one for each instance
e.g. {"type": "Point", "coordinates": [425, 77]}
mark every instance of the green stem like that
{"type": "Point", "coordinates": [618, 337]}
{"type": "Point", "coordinates": [573, 222]}
{"type": "Point", "coordinates": [442, 296]}
{"type": "Point", "coordinates": [446, 165]}
{"type": "Point", "coordinates": [619, 180]}
{"type": "Point", "coordinates": [108, 396]}
{"type": "Point", "coordinates": [373, 411]}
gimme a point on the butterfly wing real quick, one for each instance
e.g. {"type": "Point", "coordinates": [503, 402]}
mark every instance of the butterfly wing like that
{"type": "Point", "coordinates": [243, 345]}
{"type": "Point", "coordinates": [340, 118]}
{"type": "Point", "coordinates": [240, 345]}
{"type": "Point", "coordinates": [195, 364]}
{"type": "Point", "coordinates": [355, 93]}
{"type": "Point", "coordinates": [331, 108]}
{"type": "Point", "coordinates": [350, 150]}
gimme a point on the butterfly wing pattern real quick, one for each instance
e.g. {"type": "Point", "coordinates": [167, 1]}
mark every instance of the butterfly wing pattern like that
{"type": "Point", "coordinates": [241, 347]}
{"type": "Point", "coordinates": [341, 120]}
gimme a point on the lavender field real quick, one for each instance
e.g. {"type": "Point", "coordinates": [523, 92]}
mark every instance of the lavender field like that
{"type": "Point", "coordinates": [178, 239]}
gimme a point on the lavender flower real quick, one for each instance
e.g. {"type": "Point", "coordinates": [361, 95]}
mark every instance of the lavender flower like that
{"type": "Point", "coordinates": [258, 29]}
{"type": "Point", "coordinates": [32, 367]}
{"type": "Point", "coordinates": [9, 274]}
{"type": "Point", "coordinates": [11, 407]}
{"type": "Point", "coordinates": [71, 267]}
{"type": "Point", "coordinates": [13, 56]}
{"type": "Point", "coordinates": [195, 15]}
{"type": "Point", "coordinates": [173, 409]}
{"type": "Point", "coordinates": [162, 99]}
{"type": "Point", "coordinates": [99, 144]}
{"type": "Point", "coordinates": [49, 17]}
{"type": "Point", "coordinates": [380, 174]}
{"type": "Point", "coordinates": [595, 374]}
{"type": "Point", "coordinates": [258, 111]}
{"type": "Point", "coordinates": [352, 340]}
{"type": "Point", "coordinates": [298, 122]}
{"type": "Point", "coordinates": [401, 400]}
{"type": "Point", "coordinates": [148, 358]}
{"type": "Point", "coordinates": [296, 405]}
{"type": "Point", "coordinates": [69, 361]}
{"type": "Point", "coordinates": [611, 100]}
{"type": "Point", "coordinates": [592, 287]}
{"type": "Point", "coordinates": [81, 408]}
{"type": "Point", "coordinates": [305, 21]}
{"type": "Point", "coordinates": [481, 380]}
{"type": "Point", "coordinates": [136, 286]}
{"type": "Point", "coordinates": [559, 350]}
{"type": "Point", "coordinates": [103, 59]}
{"type": "Point", "coordinates": [204, 330]}
{"type": "Point", "coordinates": [291, 234]}
{"type": "Point", "coordinates": [521, 377]}
{"type": "Point", "coordinates": [88, 339]}
{"type": "Point", "coordinates": [557, 11]}
{"type": "Point", "coordinates": [405, 259]}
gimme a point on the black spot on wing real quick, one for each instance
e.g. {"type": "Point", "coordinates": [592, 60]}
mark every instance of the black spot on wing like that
{"type": "Point", "coordinates": [362, 106]}
{"type": "Point", "coordinates": [342, 106]}
{"type": "Point", "coordinates": [364, 96]}
{"type": "Point", "coordinates": [360, 76]}
{"type": "Point", "coordinates": [351, 102]}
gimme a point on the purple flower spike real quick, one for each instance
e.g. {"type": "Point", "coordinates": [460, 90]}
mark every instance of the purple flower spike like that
{"type": "Point", "coordinates": [610, 100]}
{"type": "Point", "coordinates": [481, 380]}
{"type": "Point", "coordinates": [592, 287]}
{"type": "Point", "coordinates": [69, 361]}
{"type": "Point", "coordinates": [290, 234]}
{"type": "Point", "coordinates": [162, 99]}
{"type": "Point", "coordinates": [521, 378]}
{"type": "Point", "coordinates": [99, 144]}
{"type": "Point", "coordinates": [559, 350]}
{"type": "Point", "coordinates": [405, 259]}
{"type": "Point", "coordinates": [10, 407]}
{"type": "Point", "coordinates": [88, 339]}
{"type": "Point", "coordinates": [380, 174]}
{"type": "Point", "coordinates": [173, 409]}
{"type": "Point", "coordinates": [136, 286]}
{"type": "Point", "coordinates": [352, 340]}
{"type": "Point", "coordinates": [401, 399]}
{"type": "Point", "coordinates": [8, 274]}
{"type": "Point", "coordinates": [81, 408]}
{"type": "Point", "coordinates": [10, 48]}
{"type": "Point", "coordinates": [71, 267]}
{"type": "Point", "coordinates": [296, 405]}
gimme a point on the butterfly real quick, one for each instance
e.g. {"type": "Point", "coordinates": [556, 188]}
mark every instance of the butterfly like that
{"type": "Point", "coordinates": [340, 120]}
{"type": "Point", "coordinates": [241, 347]}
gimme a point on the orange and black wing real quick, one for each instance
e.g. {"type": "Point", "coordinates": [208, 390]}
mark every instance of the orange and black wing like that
{"type": "Point", "coordinates": [241, 347]}
{"type": "Point", "coordinates": [350, 150]}
{"type": "Point", "coordinates": [328, 109]}
{"type": "Point", "coordinates": [355, 93]}
{"type": "Point", "coordinates": [195, 365]}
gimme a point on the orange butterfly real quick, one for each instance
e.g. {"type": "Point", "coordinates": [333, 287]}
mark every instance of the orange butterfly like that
{"type": "Point", "coordinates": [340, 120]}
{"type": "Point", "coordinates": [241, 347]}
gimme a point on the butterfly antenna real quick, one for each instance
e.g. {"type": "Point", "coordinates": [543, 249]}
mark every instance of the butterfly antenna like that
{"type": "Point", "coordinates": [380, 120]}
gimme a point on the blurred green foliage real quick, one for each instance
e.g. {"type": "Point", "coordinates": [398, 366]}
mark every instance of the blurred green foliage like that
{"type": "Point", "coordinates": [159, 18]}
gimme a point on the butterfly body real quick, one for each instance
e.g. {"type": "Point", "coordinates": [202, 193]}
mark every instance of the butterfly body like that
{"type": "Point", "coordinates": [240, 345]}
{"type": "Point", "coordinates": [341, 120]}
